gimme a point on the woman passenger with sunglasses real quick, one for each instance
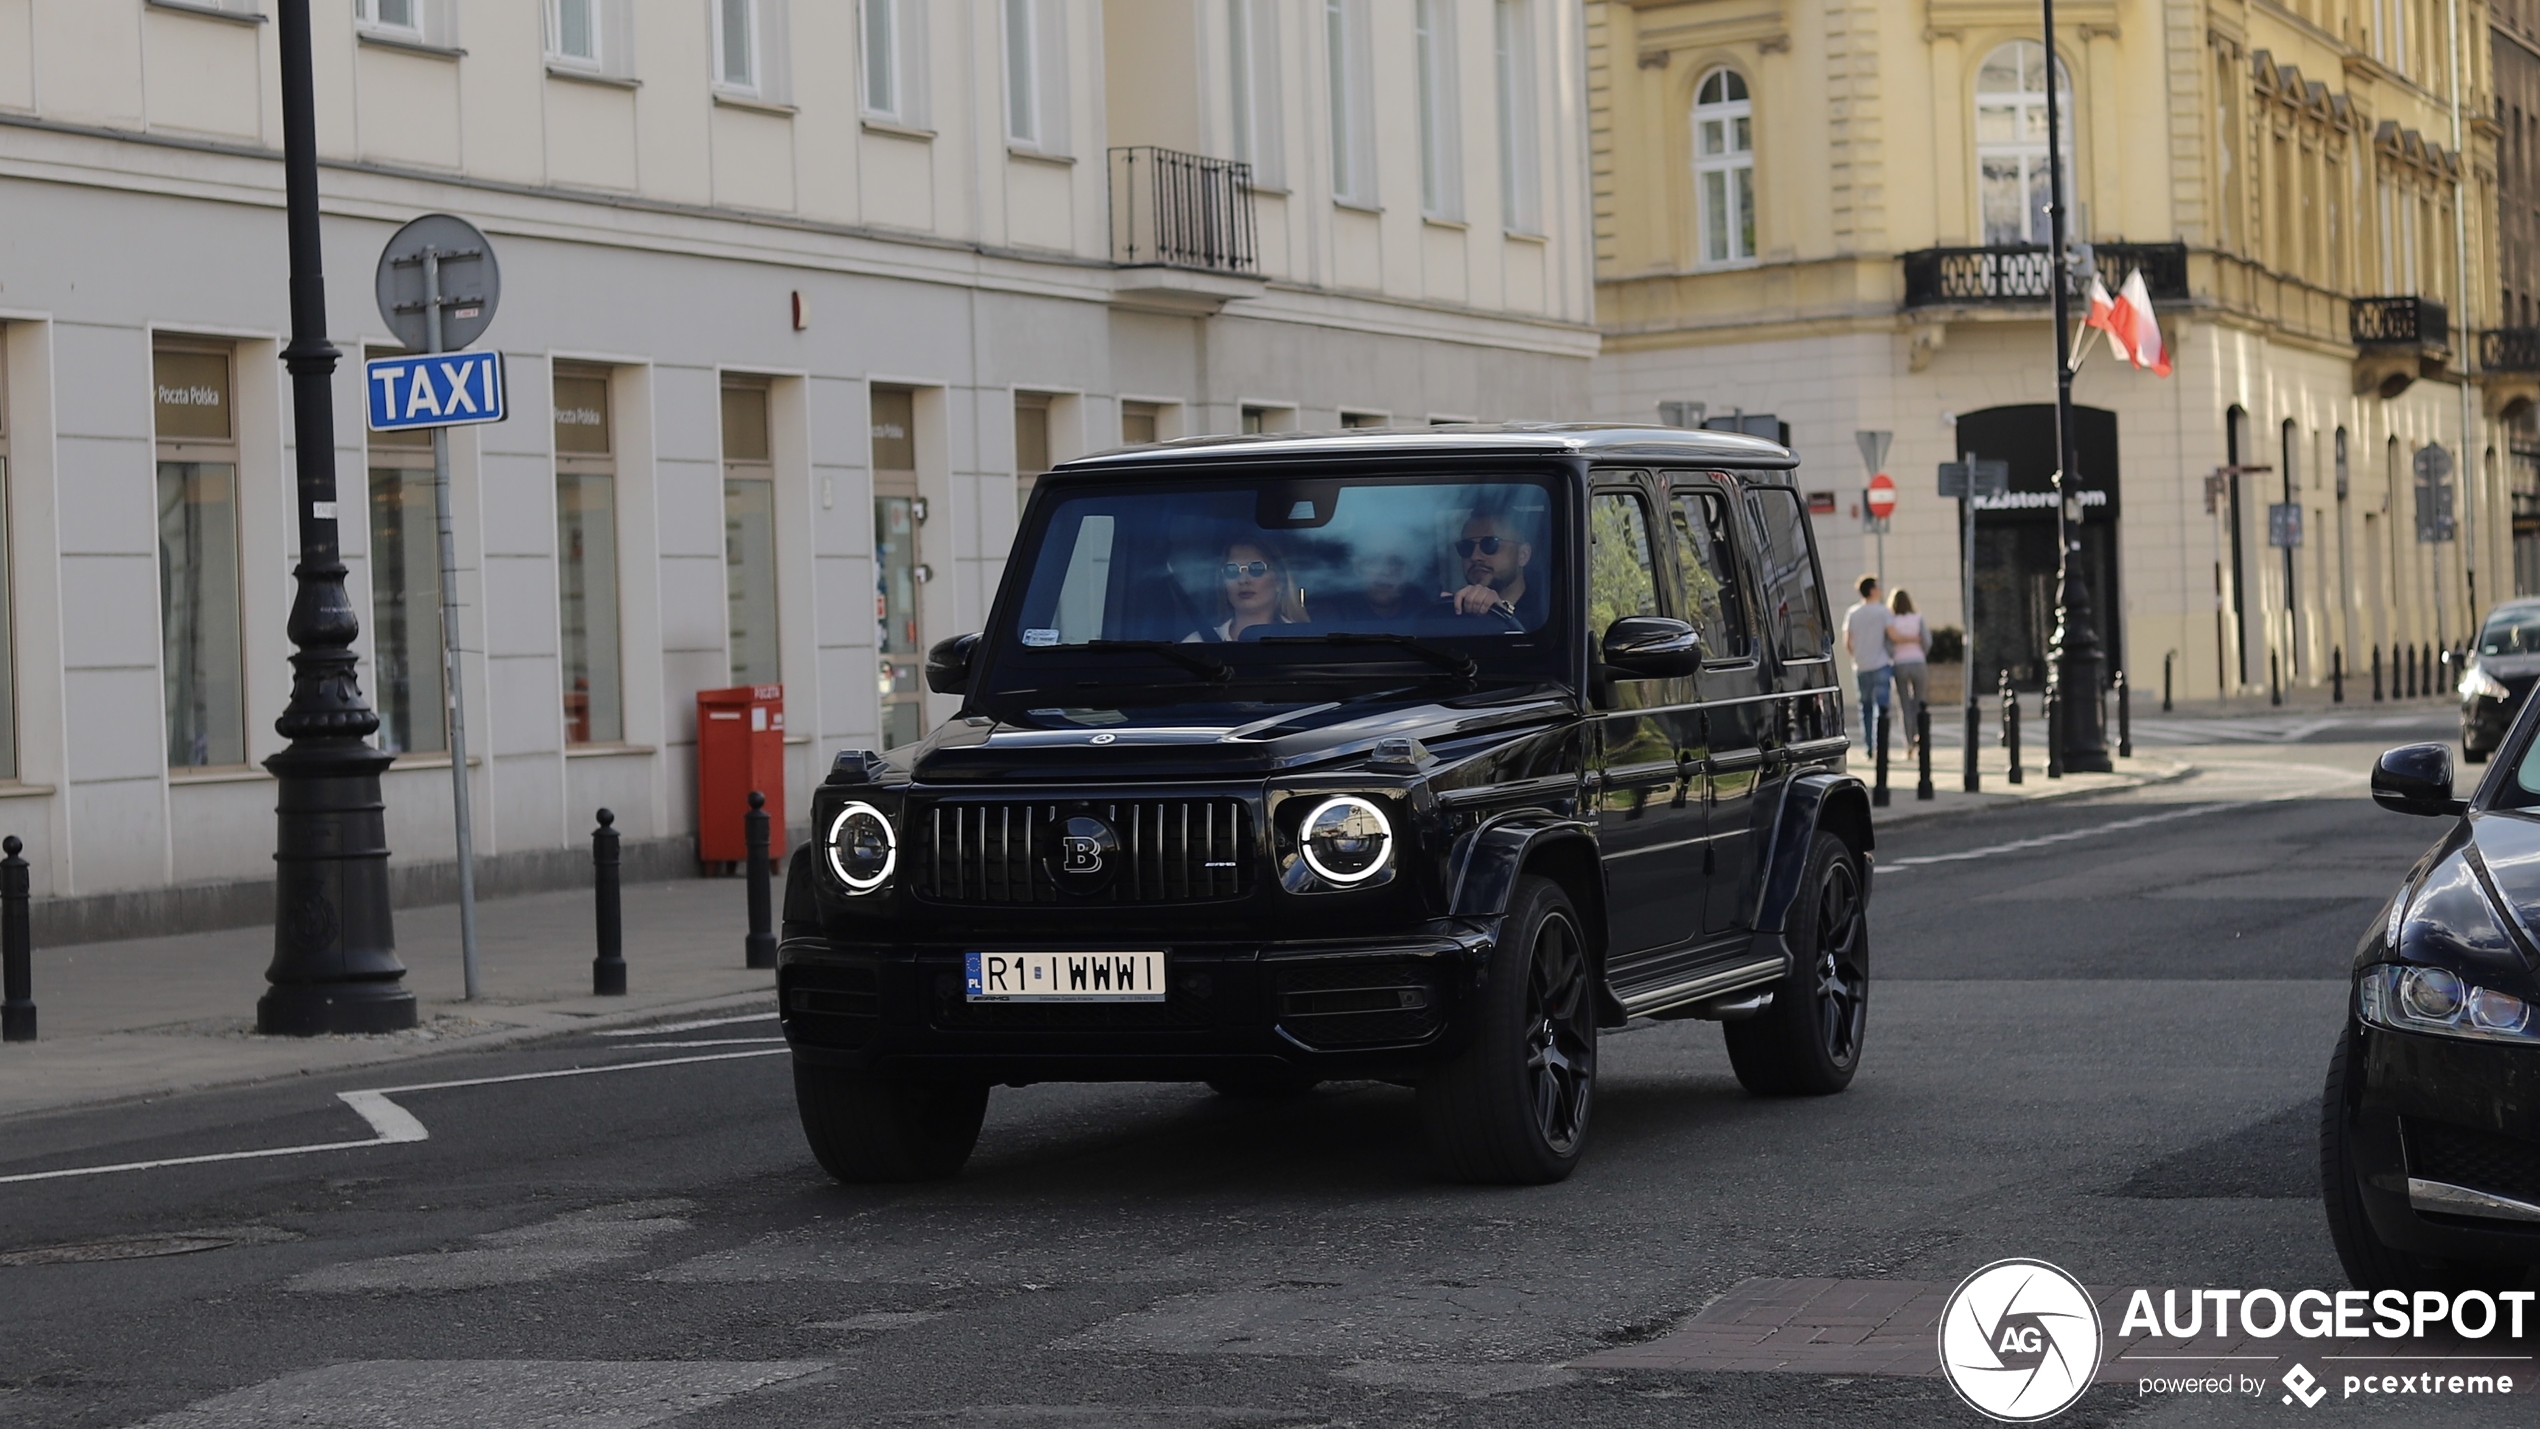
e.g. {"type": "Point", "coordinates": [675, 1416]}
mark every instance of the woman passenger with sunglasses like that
{"type": "Point", "coordinates": [1254, 589]}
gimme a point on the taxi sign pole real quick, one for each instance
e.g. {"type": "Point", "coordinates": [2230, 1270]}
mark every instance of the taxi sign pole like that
{"type": "Point", "coordinates": [453, 696]}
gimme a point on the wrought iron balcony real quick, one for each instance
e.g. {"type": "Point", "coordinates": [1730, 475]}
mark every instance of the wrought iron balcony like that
{"type": "Point", "coordinates": [2022, 274]}
{"type": "Point", "coordinates": [2509, 349]}
{"type": "Point", "coordinates": [1176, 210]}
{"type": "Point", "coordinates": [2420, 323]}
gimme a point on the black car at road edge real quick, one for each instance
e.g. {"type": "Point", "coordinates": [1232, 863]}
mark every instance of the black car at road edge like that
{"type": "Point", "coordinates": [1419, 756]}
{"type": "Point", "coordinates": [2430, 1124]}
{"type": "Point", "coordinates": [2504, 665]}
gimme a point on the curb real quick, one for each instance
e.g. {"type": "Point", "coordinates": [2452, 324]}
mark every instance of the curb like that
{"type": "Point", "coordinates": [2179, 771]}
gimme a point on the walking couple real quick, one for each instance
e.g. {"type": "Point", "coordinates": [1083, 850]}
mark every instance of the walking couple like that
{"type": "Point", "coordinates": [1884, 637]}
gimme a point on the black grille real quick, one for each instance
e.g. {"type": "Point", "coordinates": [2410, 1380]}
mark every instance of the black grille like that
{"type": "Point", "coordinates": [2480, 1160]}
{"type": "Point", "coordinates": [1357, 1003]}
{"type": "Point", "coordinates": [1171, 851]}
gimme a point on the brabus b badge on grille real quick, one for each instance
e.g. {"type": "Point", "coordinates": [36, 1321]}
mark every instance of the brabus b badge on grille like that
{"type": "Point", "coordinates": [1084, 850]}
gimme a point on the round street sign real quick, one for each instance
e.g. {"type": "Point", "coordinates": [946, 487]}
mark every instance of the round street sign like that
{"type": "Point", "coordinates": [469, 283]}
{"type": "Point", "coordinates": [1882, 495]}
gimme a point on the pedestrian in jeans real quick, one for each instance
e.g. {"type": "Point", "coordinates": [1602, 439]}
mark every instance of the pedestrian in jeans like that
{"type": "Point", "coordinates": [1865, 640]}
{"type": "Point", "coordinates": [1905, 648]}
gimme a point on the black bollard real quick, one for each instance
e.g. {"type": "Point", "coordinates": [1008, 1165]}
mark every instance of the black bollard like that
{"type": "Point", "coordinates": [2408, 672]}
{"type": "Point", "coordinates": [2275, 678]}
{"type": "Point", "coordinates": [2050, 727]}
{"type": "Point", "coordinates": [608, 969]}
{"type": "Point", "coordinates": [2125, 718]}
{"type": "Point", "coordinates": [1971, 778]}
{"type": "Point", "coordinates": [2011, 725]}
{"type": "Point", "coordinates": [2376, 674]}
{"type": "Point", "coordinates": [1878, 789]}
{"type": "Point", "coordinates": [2425, 668]}
{"type": "Point", "coordinates": [2337, 675]}
{"type": "Point", "coordinates": [760, 948]}
{"type": "Point", "coordinates": [1922, 752]}
{"type": "Point", "coordinates": [2166, 661]}
{"type": "Point", "coordinates": [17, 951]}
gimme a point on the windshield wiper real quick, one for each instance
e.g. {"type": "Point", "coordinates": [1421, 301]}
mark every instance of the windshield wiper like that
{"type": "Point", "coordinates": [1453, 662]}
{"type": "Point", "coordinates": [1216, 672]}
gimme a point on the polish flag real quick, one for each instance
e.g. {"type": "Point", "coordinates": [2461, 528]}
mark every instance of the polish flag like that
{"type": "Point", "coordinates": [2132, 315]}
{"type": "Point", "coordinates": [2103, 310]}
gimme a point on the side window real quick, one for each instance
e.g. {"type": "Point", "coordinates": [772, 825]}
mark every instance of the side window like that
{"type": "Point", "coordinates": [1622, 576]}
{"type": "Point", "coordinates": [1706, 563]}
{"type": "Point", "coordinates": [1794, 606]}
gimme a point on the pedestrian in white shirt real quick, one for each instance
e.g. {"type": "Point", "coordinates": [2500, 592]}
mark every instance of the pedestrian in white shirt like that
{"type": "Point", "coordinates": [1865, 640]}
{"type": "Point", "coordinates": [1905, 650]}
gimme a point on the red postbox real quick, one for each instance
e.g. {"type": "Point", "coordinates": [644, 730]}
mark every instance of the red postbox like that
{"type": "Point", "coordinates": [740, 747]}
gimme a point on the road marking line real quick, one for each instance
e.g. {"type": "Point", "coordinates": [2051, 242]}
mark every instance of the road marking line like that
{"type": "Point", "coordinates": [686, 1026]}
{"type": "Point", "coordinates": [2067, 836]}
{"type": "Point", "coordinates": [393, 1123]}
{"type": "Point", "coordinates": [707, 1042]}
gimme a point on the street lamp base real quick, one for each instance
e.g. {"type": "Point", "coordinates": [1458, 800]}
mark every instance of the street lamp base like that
{"type": "Point", "coordinates": [316, 1010]}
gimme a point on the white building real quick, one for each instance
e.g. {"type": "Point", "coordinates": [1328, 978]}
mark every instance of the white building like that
{"type": "Point", "coordinates": [797, 295]}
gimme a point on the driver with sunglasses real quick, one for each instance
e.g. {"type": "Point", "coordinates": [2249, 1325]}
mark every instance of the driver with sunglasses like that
{"type": "Point", "coordinates": [1495, 552]}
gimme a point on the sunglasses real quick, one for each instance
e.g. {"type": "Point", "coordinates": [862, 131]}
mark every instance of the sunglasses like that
{"type": "Point", "coordinates": [1237, 570]}
{"type": "Point", "coordinates": [1487, 545]}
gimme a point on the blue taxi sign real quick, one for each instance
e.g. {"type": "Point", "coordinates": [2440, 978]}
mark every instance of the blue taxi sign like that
{"type": "Point", "coordinates": [448, 389]}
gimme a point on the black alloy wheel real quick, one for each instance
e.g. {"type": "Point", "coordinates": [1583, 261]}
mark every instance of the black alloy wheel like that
{"type": "Point", "coordinates": [1808, 1043]}
{"type": "Point", "coordinates": [2370, 1262]}
{"type": "Point", "coordinates": [1514, 1106]}
{"type": "Point", "coordinates": [864, 1128]}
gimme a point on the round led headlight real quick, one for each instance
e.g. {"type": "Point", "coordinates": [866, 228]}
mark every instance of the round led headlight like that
{"type": "Point", "coordinates": [1346, 840]}
{"type": "Point", "coordinates": [862, 849]}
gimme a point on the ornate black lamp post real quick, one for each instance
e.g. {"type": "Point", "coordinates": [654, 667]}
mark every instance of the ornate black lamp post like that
{"type": "Point", "coordinates": [335, 965]}
{"type": "Point", "coordinates": [2074, 661]}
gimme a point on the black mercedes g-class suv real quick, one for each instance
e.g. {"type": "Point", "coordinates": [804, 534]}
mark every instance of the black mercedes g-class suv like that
{"type": "Point", "coordinates": [1416, 756]}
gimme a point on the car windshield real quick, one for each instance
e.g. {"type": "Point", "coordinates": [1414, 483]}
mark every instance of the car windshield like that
{"type": "Point", "coordinates": [2511, 632]}
{"type": "Point", "coordinates": [1208, 578]}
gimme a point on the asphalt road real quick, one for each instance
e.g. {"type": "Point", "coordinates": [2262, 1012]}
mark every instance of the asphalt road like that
{"type": "Point", "coordinates": [2097, 1045]}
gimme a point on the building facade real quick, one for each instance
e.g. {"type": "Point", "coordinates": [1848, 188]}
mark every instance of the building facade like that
{"type": "Point", "coordinates": [1837, 215]}
{"type": "Point", "coordinates": [797, 298]}
{"type": "Point", "coordinates": [2514, 28]}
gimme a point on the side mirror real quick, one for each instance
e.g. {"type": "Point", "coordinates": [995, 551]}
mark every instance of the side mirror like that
{"type": "Point", "coordinates": [1650, 647]}
{"type": "Point", "coordinates": [948, 664]}
{"type": "Point", "coordinates": [2416, 779]}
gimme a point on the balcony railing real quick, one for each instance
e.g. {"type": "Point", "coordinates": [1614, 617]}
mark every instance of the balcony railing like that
{"type": "Point", "coordinates": [2509, 349]}
{"type": "Point", "coordinates": [1176, 210]}
{"type": "Point", "coordinates": [2021, 274]}
{"type": "Point", "coordinates": [2399, 322]}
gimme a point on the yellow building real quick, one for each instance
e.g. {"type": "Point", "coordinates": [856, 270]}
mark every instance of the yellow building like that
{"type": "Point", "coordinates": [1832, 218]}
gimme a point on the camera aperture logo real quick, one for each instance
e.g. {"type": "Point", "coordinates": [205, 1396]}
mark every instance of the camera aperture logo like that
{"type": "Point", "coordinates": [2019, 1341]}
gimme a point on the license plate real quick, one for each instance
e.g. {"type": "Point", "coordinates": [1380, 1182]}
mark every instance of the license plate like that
{"type": "Point", "coordinates": [1064, 977]}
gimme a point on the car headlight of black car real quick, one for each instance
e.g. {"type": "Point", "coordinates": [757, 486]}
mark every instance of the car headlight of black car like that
{"type": "Point", "coordinates": [862, 847]}
{"type": "Point", "coordinates": [2442, 1002]}
{"type": "Point", "coordinates": [2477, 684]}
{"type": "Point", "coordinates": [1344, 841]}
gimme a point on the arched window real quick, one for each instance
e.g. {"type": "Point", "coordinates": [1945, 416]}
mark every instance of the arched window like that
{"type": "Point", "coordinates": [1724, 167]}
{"type": "Point", "coordinates": [2011, 142]}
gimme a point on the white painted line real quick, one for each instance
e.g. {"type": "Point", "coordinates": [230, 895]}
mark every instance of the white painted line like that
{"type": "Point", "coordinates": [2067, 836]}
{"type": "Point", "coordinates": [685, 1026]}
{"type": "Point", "coordinates": [708, 1042]}
{"type": "Point", "coordinates": [393, 1123]}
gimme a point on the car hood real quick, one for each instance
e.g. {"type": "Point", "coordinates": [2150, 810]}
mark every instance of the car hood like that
{"type": "Point", "coordinates": [2514, 672]}
{"type": "Point", "coordinates": [1165, 744]}
{"type": "Point", "coordinates": [2476, 906]}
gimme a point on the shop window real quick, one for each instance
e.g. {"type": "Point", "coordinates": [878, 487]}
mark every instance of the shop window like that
{"type": "Point", "coordinates": [1724, 166]}
{"type": "Point", "coordinates": [405, 595]}
{"type": "Point", "coordinates": [749, 534]}
{"type": "Point", "coordinates": [586, 558]}
{"type": "Point", "coordinates": [898, 575]}
{"type": "Point", "coordinates": [2012, 178]}
{"type": "Point", "coordinates": [200, 660]}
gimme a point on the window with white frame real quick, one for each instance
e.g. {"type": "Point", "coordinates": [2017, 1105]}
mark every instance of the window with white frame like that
{"type": "Point", "coordinates": [1036, 75]}
{"type": "Point", "coordinates": [894, 43]}
{"type": "Point", "coordinates": [414, 22]}
{"type": "Point", "coordinates": [1441, 127]}
{"type": "Point", "coordinates": [750, 53]}
{"type": "Point", "coordinates": [1520, 158]}
{"type": "Point", "coordinates": [1252, 89]}
{"type": "Point", "coordinates": [1349, 85]}
{"type": "Point", "coordinates": [2014, 186]}
{"type": "Point", "coordinates": [573, 33]}
{"type": "Point", "coordinates": [1724, 167]}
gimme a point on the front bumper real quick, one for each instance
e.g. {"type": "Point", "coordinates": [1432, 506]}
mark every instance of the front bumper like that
{"type": "Point", "coordinates": [2438, 1117]}
{"type": "Point", "coordinates": [1383, 1008]}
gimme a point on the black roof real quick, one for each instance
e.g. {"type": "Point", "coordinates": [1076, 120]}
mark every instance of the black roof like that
{"type": "Point", "coordinates": [1604, 441]}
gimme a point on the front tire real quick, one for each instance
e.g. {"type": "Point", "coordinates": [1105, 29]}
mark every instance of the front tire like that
{"type": "Point", "coordinates": [1808, 1043]}
{"type": "Point", "coordinates": [2371, 1263]}
{"type": "Point", "coordinates": [865, 1129]}
{"type": "Point", "coordinates": [1512, 1108]}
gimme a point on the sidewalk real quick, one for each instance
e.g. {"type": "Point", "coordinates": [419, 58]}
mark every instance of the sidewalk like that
{"type": "Point", "coordinates": [157, 1015]}
{"type": "Point", "coordinates": [1993, 768]}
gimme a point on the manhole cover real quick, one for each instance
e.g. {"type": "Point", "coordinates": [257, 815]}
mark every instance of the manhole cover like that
{"type": "Point", "coordinates": [130, 1248]}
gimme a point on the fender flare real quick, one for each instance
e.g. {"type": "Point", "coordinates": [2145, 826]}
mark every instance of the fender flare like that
{"type": "Point", "coordinates": [1485, 868]}
{"type": "Point", "coordinates": [1810, 802]}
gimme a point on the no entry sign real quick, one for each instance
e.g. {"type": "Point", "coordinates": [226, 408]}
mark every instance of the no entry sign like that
{"type": "Point", "coordinates": [1882, 496]}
